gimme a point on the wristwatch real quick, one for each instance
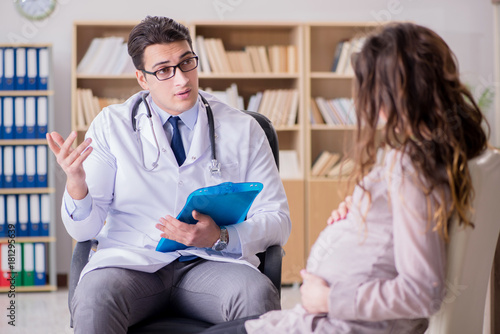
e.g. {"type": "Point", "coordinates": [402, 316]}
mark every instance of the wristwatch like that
{"type": "Point", "coordinates": [221, 244]}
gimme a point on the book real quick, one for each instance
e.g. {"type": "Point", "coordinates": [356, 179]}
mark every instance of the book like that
{"type": "Point", "coordinates": [227, 203]}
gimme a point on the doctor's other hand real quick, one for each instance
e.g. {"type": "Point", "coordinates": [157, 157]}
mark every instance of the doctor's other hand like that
{"type": "Point", "coordinates": [341, 212]}
{"type": "Point", "coordinates": [71, 161]}
{"type": "Point", "coordinates": [203, 234]}
{"type": "Point", "coordinates": [314, 293]}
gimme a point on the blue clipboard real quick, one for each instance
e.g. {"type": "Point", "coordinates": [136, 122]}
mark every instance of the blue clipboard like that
{"type": "Point", "coordinates": [227, 203]}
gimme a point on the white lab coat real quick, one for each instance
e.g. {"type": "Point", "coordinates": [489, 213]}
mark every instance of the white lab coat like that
{"type": "Point", "coordinates": [131, 200]}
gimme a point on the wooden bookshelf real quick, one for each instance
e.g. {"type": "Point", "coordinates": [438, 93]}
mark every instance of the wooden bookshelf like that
{"type": "Point", "coordinates": [15, 191]}
{"type": "Point", "coordinates": [235, 36]}
{"type": "Point", "coordinates": [321, 40]}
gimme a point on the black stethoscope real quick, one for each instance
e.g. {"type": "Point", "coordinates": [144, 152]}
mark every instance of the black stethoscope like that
{"type": "Point", "coordinates": [214, 168]}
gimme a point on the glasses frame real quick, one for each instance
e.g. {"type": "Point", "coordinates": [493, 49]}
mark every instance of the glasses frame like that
{"type": "Point", "coordinates": [174, 68]}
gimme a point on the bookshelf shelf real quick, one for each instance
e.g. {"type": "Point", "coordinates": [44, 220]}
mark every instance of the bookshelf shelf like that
{"type": "Point", "coordinates": [330, 75]}
{"type": "Point", "coordinates": [26, 92]}
{"type": "Point", "coordinates": [36, 288]}
{"type": "Point", "coordinates": [4, 142]}
{"type": "Point", "coordinates": [20, 191]}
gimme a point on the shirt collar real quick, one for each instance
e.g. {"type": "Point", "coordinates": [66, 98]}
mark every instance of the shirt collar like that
{"type": "Point", "coordinates": [188, 117]}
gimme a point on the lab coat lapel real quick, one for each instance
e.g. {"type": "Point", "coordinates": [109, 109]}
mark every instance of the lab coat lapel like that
{"type": "Point", "coordinates": [147, 132]}
{"type": "Point", "coordinates": [201, 139]}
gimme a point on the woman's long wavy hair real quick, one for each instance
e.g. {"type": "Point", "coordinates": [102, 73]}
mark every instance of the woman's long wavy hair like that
{"type": "Point", "coordinates": [408, 73]}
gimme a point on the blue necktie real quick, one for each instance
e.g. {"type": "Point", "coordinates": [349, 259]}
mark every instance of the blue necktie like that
{"type": "Point", "coordinates": [176, 143]}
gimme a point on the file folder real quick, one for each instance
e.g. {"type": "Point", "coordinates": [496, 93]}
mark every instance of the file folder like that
{"type": "Point", "coordinates": [8, 117]}
{"type": "Point", "coordinates": [3, 222]}
{"type": "Point", "coordinates": [19, 118]}
{"type": "Point", "coordinates": [43, 68]}
{"type": "Point", "coordinates": [11, 212]}
{"type": "Point", "coordinates": [32, 68]}
{"type": "Point", "coordinates": [30, 117]}
{"type": "Point", "coordinates": [28, 264]}
{"type": "Point", "coordinates": [22, 215]}
{"type": "Point", "coordinates": [8, 69]}
{"type": "Point", "coordinates": [2, 185]}
{"type": "Point", "coordinates": [227, 203]}
{"type": "Point", "coordinates": [20, 74]}
{"type": "Point", "coordinates": [41, 166]}
{"type": "Point", "coordinates": [20, 170]}
{"type": "Point", "coordinates": [40, 267]}
{"type": "Point", "coordinates": [4, 265]}
{"type": "Point", "coordinates": [45, 214]}
{"type": "Point", "coordinates": [34, 218]}
{"type": "Point", "coordinates": [42, 116]}
{"type": "Point", "coordinates": [8, 166]}
{"type": "Point", "coordinates": [1, 113]}
{"type": "Point", "coordinates": [18, 265]}
{"type": "Point", "coordinates": [30, 159]}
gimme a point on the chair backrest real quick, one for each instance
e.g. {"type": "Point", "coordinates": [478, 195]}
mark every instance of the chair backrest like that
{"type": "Point", "coordinates": [270, 132]}
{"type": "Point", "coordinates": [470, 254]}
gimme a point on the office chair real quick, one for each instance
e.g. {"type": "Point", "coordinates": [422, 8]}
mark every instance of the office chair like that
{"type": "Point", "coordinates": [470, 254]}
{"type": "Point", "coordinates": [270, 264]}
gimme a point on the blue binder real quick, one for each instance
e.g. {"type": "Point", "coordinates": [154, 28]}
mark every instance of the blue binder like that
{"type": "Point", "coordinates": [1, 68]}
{"type": "Point", "coordinates": [41, 116]}
{"type": "Point", "coordinates": [31, 68]}
{"type": "Point", "coordinates": [43, 68]}
{"type": "Point", "coordinates": [1, 169]}
{"type": "Point", "coordinates": [3, 218]}
{"type": "Point", "coordinates": [8, 117]}
{"type": "Point", "coordinates": [44, 215]}
{"type": "Point", "coordinates": [9, 68]}
{"type": "Point", "coordinates": [227, 203]}
{"type": "Point", "coordinates": [41, 167]}
{"type": "Point", "coordinates": [8, 166]}
{"type": "Point", "coordinates": [34, 216]}
{"type": "Point", "coordinates": [30, 117]}
{"type": "Point", "coordinates": [20, 73]}
{"type": "Point", "coordinates": [19, 118]}
{"type": "Point", "coordinates": [22, 216]}
{"type": "Point", "coordinates": [19, 167]}
{"type": "Point", "coordinates": [30, 163]}
{"type": "Point", "coordinates": [40, 266]}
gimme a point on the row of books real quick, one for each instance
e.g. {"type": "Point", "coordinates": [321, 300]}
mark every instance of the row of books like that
{"type": "Point", "coordinates": [214, 58]}
{"type": "Point", "coordinates": [343, 55]}
{"type": "Point", "coordinates": [88, 106]}
{"type": "Point", "coordinates": [23, 264]}
{"type": "Point", "coordinates": [330, 164]}
{"type": "Point", "coordinates": [24, 215]}
{"type": "Point", "coordinates": [23, 117]}
{"type": "Point", "coordinates": [24, 68]}
{"type": "Point", "coordinates": [23, 166]}
{"type": "Point", "coordinates": [279, 105]}
{"type": "Point", "coordinates": [339, 111]}
{"type": "Point", "coordinates": [106, 56]}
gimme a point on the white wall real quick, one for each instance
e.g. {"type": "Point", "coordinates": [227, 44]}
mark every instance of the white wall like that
{"type": "Point", "coordinates": [467, 26]}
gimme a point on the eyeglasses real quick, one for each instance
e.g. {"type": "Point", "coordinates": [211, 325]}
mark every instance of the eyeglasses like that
{"type": "Point", "coordinates": [168, 72]}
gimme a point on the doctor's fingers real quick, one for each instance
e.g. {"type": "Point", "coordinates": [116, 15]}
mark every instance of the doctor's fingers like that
{"type": "Point", "coordinates": [76, 157]}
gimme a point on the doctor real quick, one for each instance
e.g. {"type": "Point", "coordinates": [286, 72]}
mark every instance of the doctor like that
{"type": "Point", "coordinates": [137, 186]}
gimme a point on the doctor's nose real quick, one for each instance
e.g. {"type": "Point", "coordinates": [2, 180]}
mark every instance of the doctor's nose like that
{"type": "Point", "coordinates": [180, 78]}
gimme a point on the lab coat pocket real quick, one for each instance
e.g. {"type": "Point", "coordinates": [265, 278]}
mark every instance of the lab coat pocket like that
{"type": "Point", "coordinates": [228, 172]}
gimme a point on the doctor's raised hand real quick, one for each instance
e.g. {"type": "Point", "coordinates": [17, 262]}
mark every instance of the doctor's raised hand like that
{"type": "Point", "coordinates": [71, 161]}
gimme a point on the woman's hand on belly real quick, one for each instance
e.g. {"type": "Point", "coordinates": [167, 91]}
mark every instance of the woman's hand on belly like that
{"type": "Point", "coordinates": [314, 293]}
{"type": "Point", "coordinates": [341, 212]}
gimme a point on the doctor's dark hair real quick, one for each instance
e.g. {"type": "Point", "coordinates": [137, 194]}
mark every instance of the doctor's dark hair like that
{"type": "Point", "coordinates": [407, 75]}
{"type": "Point", "coordinates": [154, 30]}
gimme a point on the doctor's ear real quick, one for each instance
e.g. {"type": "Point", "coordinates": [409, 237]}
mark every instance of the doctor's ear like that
{"type": "Point", "coordinates": [141, 79]}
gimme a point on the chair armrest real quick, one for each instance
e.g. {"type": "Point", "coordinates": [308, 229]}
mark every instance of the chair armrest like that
{"type": "Point", "coordinates": [79, 259]}
{"type": "Point", "coordinates": [271, 265]}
